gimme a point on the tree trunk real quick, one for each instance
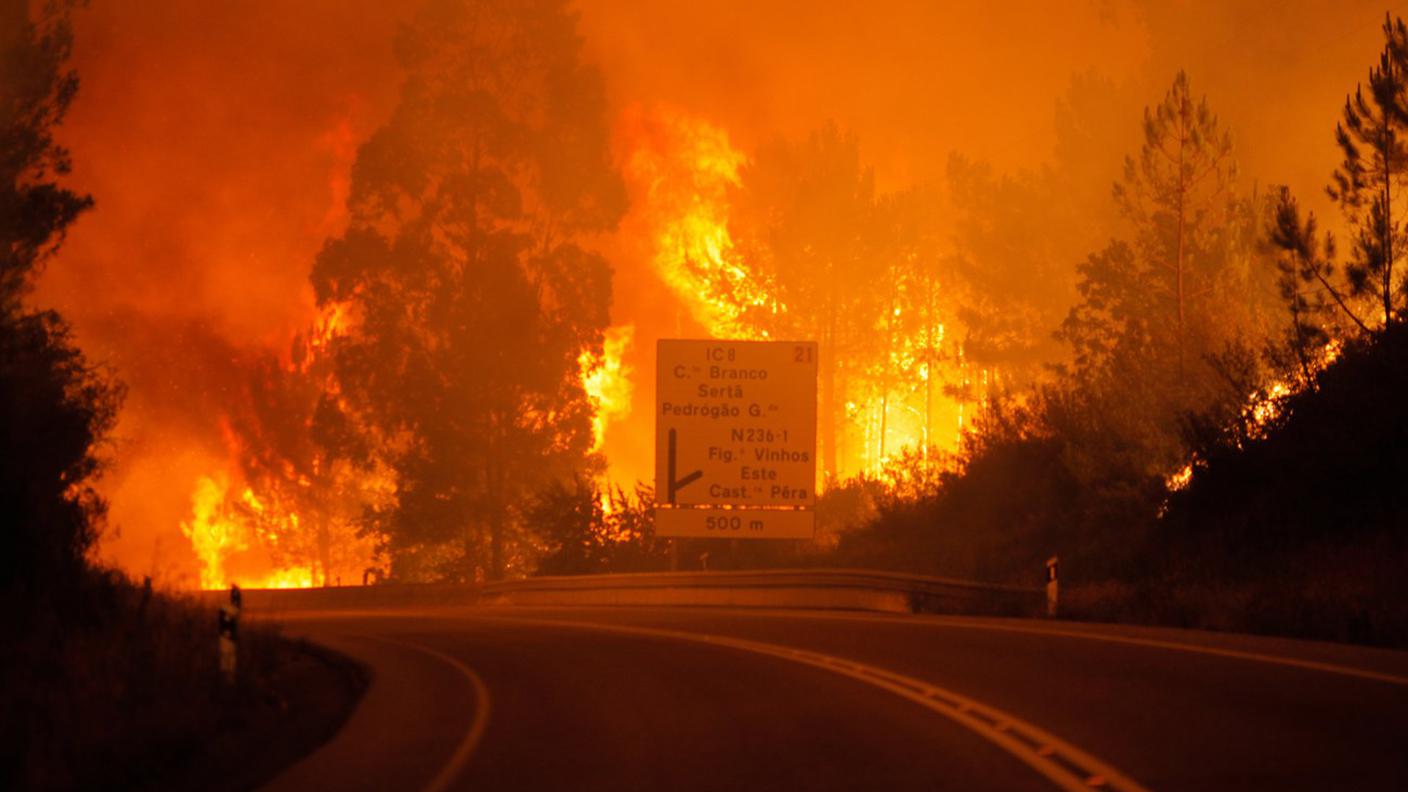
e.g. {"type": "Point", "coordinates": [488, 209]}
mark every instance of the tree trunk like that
{"type": "Point", "coordinates": [1388, 241]}
{"type": "Point", "coordinates": [827, 417]}
{"type": "Point", "coordinates": [324, 548]}
{"type": "Point", "coordinates": [1178, 255]}
{"type": "Point", "coordinates": [473, 534]}
{"type": "Point", "coordinates": [931, 355]}
{"type": "Point", "coordinates": [496, 542]}
{"type": "Point", "coordinates": [884, 415]}
{"type": "Point", "coordinates": [1302, 343]}
{"type": "Point", "coordinates": [495, 483]}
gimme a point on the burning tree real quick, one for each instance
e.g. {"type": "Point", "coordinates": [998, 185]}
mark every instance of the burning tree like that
{"type": "Point", "coordinates": [795, 243]}
{"type": "Point", "coordinates": [801, 223]}
{"type": "Point", "coordinates": [913, 360]}
{"type": "Point", "coordinates": [308, 476]}
{"type": "Point", "coordinates": [471, 299]}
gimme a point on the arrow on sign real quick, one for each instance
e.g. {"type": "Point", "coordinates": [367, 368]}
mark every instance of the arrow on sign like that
{"type": "Point", "coordinates": [675, 484]}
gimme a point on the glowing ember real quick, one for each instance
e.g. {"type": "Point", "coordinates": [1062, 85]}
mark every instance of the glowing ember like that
{"type": "Point", "coordinates": [332, 322]}
{"type": "Point", "coordinates": [1267, 406]}
{"type": "Point", "coordinates": [1180, 479]}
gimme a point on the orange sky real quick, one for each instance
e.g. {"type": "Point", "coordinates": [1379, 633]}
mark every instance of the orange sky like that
{"type": "Point", "coordinates": [216, 139]}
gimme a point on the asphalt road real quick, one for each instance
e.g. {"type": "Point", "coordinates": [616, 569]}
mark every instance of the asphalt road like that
{"type": "Point", "coordinates": [698, 698]}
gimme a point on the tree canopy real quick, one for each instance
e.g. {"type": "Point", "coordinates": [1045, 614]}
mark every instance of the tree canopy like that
{"type": "Point", "coordinates": [470, 295]}
{"type": "Point", "coordinates": [56, 407]}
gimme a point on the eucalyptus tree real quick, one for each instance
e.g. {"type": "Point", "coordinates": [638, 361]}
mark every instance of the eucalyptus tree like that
{"type": "Point", "coordinates": [470, 290]}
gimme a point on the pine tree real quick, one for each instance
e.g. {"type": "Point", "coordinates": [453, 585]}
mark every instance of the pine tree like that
{"type": "Point", "coordinates": [1176, 194]}
{"type": "Point", "coordinates": [1369, 183]}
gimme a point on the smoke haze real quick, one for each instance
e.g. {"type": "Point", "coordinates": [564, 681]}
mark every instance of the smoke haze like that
{"type": "Point", "coordinates": [217, 141]}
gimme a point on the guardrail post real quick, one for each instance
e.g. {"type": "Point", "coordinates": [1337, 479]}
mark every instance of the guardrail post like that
{"type": "Point", "coordinates": [229, 635]}
{"type": "Point", "coordinates": [1053, 565]}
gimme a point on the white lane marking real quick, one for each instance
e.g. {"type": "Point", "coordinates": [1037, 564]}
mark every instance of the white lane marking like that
{"type": "Point", "coordinates": [1045, 753]}
{"type": "Point", "coordinates": [451, 769]}
{"type": "Point", "coordinates": [1154, 643]}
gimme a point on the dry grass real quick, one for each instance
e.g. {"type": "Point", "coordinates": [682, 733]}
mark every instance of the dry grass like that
{"type": "Point", "coordinates": [123, 692]}
{"type": "Point", "coordinates": [1352, 595]}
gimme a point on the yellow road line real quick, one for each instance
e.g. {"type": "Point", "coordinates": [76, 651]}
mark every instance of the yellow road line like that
{"type": "Point", "coordinates": [1063, 764]}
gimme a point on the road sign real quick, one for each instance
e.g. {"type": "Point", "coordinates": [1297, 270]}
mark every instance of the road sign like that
{"type": "Point", "coordinates": [735, 427]}
{"type": "Point", "coordinates": [705, 521]}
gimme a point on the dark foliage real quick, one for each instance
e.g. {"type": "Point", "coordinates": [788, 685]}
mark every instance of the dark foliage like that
{"type": "Point", "coordinates": [1328, 470]}
{"type": "Point", "coordinates": [127, 695]}
{"type": "Point", "coordinates": [55, 407]}
{"type": "Point", "coordinates": [1031, 484]}
{"type": "Point", "coordinates": [54, 411]}
{"type": "Point", "coordinates": [34, 97]}
{"type": "Point", "coordinates": [581, 533]}
{"type": "Point", "coordinates": [471, 292]}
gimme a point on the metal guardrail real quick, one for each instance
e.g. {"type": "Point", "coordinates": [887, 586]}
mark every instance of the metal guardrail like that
{"type": "Point", "coordinates": [920, 593]}
{"type": "Point", "coordinates": [781, 588]}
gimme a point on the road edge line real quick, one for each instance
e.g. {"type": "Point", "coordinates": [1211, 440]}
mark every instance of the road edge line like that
{"type": "Point", "coordinates": [1153, 643]}
{"type": "Point", "coordinates": [465, 749]}
{"type": "Point", "coordinates": [966, 712]}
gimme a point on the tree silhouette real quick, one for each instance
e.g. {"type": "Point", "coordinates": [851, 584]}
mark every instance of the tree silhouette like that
{"type": "Point", "coordinates": [1156, 316]}
{"type": "Point", "coordinates": [1368, 184]}
{"type": "Point", "coordinates": [1176, 194]}
{"type": "Point", "coordinates": [469, 295]}
{"type": "Point", "coordinates": [55, 407]}
{"type": "Point", "coordinates": [1305, 271]}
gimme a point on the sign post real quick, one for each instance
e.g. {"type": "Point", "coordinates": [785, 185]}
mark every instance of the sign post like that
{"type": "Point", "coordinates": [735, 439]}
{"type": "Point", "coordinates": [1053, 585]}
{"type": "Point", "coordinates": [229, 635]}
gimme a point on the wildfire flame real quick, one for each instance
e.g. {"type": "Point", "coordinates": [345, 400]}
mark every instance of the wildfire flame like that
{"type": "Point", "coordinates": [682, 171]}
{"type": "Point", "coordinates": [228, 547]}
{"type": "Point", "coordinates": [250, 538]}
{"type": "Point", "coordinates": [1263, 408]}
{"type": "Point", "coordinates": [607, 381]}
{"type": "Point", "coordinates": [683, 168]}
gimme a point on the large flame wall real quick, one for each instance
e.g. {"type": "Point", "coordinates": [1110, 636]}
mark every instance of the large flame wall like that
{"type": "Point", "coordinates": [217, 140]}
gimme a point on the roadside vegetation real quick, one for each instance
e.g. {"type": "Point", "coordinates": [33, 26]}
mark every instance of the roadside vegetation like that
{"type": "Point", "coordinates": [1062, 360]}
{"type": "Point", "coordinates": [103, 683]}
{"type": "Point", "coordinates": [1212, 437]}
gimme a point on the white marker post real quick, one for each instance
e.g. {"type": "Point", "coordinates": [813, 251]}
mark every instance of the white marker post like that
{"type": "Point", "coordinates": [1053, 564]}
{"type": "Point", "coordinates": [229, 635]}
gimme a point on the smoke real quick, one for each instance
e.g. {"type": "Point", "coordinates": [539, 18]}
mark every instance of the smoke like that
{"type": "Point", "coordinates": [217, 138]}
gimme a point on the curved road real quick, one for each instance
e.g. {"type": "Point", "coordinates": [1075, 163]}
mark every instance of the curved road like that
{"type": "Point", "coordinates": [697, 698]}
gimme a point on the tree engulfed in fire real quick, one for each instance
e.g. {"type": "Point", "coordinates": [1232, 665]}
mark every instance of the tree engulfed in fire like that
{"type": "Point", "coordinates": [684, 171]}
{"type": "Point", "coordinates": [607, 381]}
{"type": "Point", "coordinates": [230, 546]}
{"type": "Point", "coordinates": [293, 524]}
